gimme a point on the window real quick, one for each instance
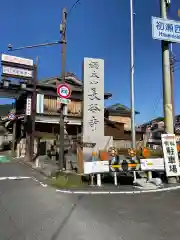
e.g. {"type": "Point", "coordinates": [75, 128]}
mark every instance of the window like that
{"type": "Point", "coordinates": [156, 135]}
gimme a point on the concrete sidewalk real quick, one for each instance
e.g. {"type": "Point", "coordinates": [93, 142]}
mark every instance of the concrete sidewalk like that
{"type": "Point", "coordinates": [45, 165]}
{"type": "Point", "coordinates": [48, 168]}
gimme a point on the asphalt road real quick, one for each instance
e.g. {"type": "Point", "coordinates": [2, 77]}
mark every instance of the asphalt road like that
{"type": "Point", "coordinates": [30, 212]}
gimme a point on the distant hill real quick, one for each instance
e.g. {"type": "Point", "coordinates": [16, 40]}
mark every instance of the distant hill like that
{"type": "Point", "coordinates": [5, 109]}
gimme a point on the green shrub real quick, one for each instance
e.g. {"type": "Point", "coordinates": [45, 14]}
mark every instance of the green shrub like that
{"type": "Point", "coordinates": [67, 180]}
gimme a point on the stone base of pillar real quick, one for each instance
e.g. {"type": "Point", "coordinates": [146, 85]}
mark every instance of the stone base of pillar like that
{"type": "Point", "coordinates": [21, 148]}
{"type": "Point", "coordinates": [172, 180]}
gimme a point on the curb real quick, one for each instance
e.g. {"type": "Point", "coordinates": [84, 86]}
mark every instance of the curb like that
{"type": "Point", "coordinates": [30, 166]}
{"type": "Point", "coordinates": [167, 189]}
{"type": "Point", "coordinates": [21, 161]}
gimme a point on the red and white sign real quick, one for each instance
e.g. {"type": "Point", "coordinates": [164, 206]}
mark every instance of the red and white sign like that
{"type": "Point", "coordinates": [64, 91]}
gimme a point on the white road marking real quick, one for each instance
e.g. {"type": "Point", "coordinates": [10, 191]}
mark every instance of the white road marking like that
{"type": "Point", "coordinates": [41, 183]}
{"type": "Point", "coordinates": [22, 178]}
{"type": "Point", "coordinates": [13, 178]}
{"type": "Point", "coordinates": [167, 189]}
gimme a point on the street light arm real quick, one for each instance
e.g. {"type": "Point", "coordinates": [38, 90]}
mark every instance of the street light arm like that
{"type": "Point", "coordinates": [10, 47]}
{"type": "Point", "coordinates": [34, 46]}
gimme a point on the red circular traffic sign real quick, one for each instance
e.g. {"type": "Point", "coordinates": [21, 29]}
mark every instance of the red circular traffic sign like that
{"type": "Point", "coordinates": [11, 116]}
{"type": "Point", "coordinates": [64, 91]}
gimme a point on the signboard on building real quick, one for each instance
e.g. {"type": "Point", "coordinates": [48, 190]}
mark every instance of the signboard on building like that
{"type": "Point", "coordinates": [20, 72]}
{"type": "Point", "coordinates": [17, 67]}
{"type": "Point", "coordinates": [18, 60]}
{"type": "Point", "coordinates": [170, 155]}
{"type": "Point", "coordinates": [93, 104]}
{"type": "Point", "coordinates": [166, 30]}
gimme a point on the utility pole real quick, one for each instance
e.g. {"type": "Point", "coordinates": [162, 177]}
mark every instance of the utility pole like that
{"type": "Point", "coordinates": [14, 133]}
{"type": "Point", "coordinates": [33, 107]}
{"type": "Point", "coordinates": [172, 82]}
{"type": "Point", "coordinates": [133, 131]}
{"type": "Point", "coordinates": [168, 113]}
{"type": "Point", "coordinates": [62, 163]}
{"type": "Point", "coordinates": [167, 94]}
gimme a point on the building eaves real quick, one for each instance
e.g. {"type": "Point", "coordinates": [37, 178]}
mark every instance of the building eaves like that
{"type": "Point", "coordinates": [76, 87]}
{"type": "Point", "coordinates": [118, 109]}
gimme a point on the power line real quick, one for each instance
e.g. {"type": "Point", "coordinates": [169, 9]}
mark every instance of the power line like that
{"type": "Point", "coordinates": [73, 6]}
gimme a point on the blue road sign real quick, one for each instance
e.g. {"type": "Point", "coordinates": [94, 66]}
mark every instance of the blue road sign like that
{"type": "Point", "coordinates": [165, 29]}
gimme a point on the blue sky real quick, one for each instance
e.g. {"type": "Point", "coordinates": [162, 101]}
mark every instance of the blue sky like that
{"type": "Point", "coordinates": [96, 28]}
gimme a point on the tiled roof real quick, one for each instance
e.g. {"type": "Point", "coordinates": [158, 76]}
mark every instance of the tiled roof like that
{"type": "Point", "coordinates": [119, 108]}
{"type": "Point", "coordinates": [158, 119]}
{"type": "Point", "coordinates": [71, 79]}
